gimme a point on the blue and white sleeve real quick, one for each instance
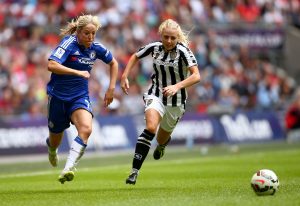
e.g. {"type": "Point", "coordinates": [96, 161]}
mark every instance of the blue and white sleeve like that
{"type": "Point", "coordinates": [62, 51]}
{"type": "Point", "coordinates": [103, 53]}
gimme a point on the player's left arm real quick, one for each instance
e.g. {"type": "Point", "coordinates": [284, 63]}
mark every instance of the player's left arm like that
{"type": "Point", "coordinates": [106, 56]}
{"type": "Point", "coordinates": [109, 95]}
{"type": "Point", "coordinates": [189, 81]}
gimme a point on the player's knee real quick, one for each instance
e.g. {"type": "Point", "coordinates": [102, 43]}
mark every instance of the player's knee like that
{"type": "Point", "coordinates": [85, 131]}
{"type": "Point", "coordinates": [151, 128]}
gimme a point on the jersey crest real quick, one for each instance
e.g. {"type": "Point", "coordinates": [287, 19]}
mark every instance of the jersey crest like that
{"type": "Point", "coordinates": [93, 55]}
{"type": "Point", "coordinates": [173, 55]}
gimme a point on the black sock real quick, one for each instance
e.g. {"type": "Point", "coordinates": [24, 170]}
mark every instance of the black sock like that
{"type": "Point", "coordinates": [142, 148]}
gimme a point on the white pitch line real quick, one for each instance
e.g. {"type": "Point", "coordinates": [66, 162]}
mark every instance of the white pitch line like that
{"type": "Point", "coordinates": [27, 174]}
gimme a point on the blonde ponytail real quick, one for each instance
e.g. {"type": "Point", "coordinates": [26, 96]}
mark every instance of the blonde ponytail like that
{"type": "Point", "coordinates": [79, 23]}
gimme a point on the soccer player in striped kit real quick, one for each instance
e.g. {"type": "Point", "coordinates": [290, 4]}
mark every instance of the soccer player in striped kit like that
{"type": "Point", "coordinates": [68, 97]}
{"type": "Point", "coordinates": [175, 69]}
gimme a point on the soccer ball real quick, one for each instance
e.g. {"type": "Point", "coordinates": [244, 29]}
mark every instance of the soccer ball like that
{"type": "Point", "coordinates": [265, 182]}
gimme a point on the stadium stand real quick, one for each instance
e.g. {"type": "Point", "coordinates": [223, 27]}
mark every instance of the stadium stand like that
{"type": "Point", "coordinates": [234, 75]}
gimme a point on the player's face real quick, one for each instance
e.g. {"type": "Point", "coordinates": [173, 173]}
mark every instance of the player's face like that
{"type": "Point", "coordinates": [87, 35]}
{"type": "Point", "coordinates": [169, 38]}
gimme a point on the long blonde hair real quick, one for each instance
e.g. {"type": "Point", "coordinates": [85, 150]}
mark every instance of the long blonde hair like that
{"type": "Point", "coordinates": [79, 23]}
{"type": "Point", "coordinates": [182, 36]}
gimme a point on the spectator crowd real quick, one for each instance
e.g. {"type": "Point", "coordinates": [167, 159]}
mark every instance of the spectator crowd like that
{"type": "Point", "coordinates": [232, 77]}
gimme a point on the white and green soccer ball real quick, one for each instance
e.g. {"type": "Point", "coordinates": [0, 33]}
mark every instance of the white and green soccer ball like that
{"type": "Point", "coordinates": [265, 182]}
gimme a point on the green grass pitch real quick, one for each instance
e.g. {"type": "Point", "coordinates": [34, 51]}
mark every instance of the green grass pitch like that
{"type": "Point", "coordinates": [183, 177]}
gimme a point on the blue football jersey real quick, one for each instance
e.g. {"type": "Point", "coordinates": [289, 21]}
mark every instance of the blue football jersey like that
{"type": "Point", "coordinates": [70, 54]}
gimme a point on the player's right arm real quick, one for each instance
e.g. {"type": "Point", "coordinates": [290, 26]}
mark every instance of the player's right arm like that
{"type": "Point", "coordinates": [58, 68]}
{"type": "Point", "coordinates": [143, 52]}
{"type": "Point", "coordinates": [124, 78]}
{"type": "Point", "coordinates": [60, 54]}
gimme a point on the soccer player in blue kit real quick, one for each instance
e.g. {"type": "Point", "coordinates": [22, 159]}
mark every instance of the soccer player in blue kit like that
{"type": "Point", "coordinates": [68, 97]}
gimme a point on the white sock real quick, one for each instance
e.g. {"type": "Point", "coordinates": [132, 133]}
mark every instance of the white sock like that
{"type": "Point", "coordinates": [76, 151]}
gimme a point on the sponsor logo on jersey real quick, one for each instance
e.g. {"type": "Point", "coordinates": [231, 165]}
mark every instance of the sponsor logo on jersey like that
{"type": "Point", "coordinates": [59, 52]}
{"type": "Point", "coordinates": [86, 61]}
{"type": "Point", "coordinates": [159, 62]}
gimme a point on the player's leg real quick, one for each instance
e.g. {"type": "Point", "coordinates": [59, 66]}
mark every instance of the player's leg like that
{"type": "Point", "coordinates": [82, 119]}
{"type": "Point", "coordinates": [163, 138]}
{"type": "Point", "coordinates": [53, 142]}
{"type": "Point", "coordinates": [57, 123]}
{"type": "Point", "coordinates": [80, 113]}
{"type": "Point", "coordinates": [144, 143]}
{"type": "Point", "coordinates": [154, 110]}
{"type": "Point", "coordinates": [167, 125]}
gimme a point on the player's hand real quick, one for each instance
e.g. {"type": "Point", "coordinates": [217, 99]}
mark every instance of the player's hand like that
{"type": "Point", "coordinates": [84, 74]}
{"type": "Point", "coordinates": [109, 96]}
{"type": "Point", "coordinates": [124, 85]}
{"type": "Point", "coordinates": [170, 90]}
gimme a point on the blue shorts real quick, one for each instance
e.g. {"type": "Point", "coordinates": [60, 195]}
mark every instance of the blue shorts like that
{"type": "Point", "coordinates": [59, 112]}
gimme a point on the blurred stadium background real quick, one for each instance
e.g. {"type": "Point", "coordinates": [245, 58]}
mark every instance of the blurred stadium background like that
{"type": "Point", "coordinates": [247, 51]}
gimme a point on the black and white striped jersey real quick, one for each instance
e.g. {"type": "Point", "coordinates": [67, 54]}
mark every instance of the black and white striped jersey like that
{"type": "Point", "coordinates": [169, 67]}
